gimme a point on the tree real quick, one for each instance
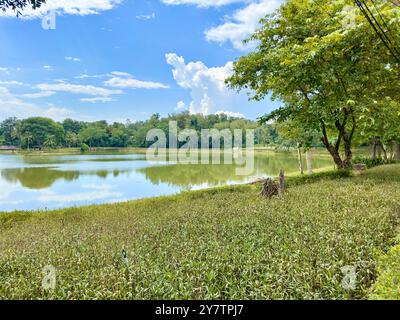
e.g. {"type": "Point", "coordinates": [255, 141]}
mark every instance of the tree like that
{"type": "Point", "coordinates": [9, 131]}
{"type": "Point", "coordinates": [73, 126]}
{"type": "Point", "coordinates": [380, 126]}
{"type": "Point", "coordinates": [94, 136]}
{"type": "Point", "coordinates": [303, 139]}
{"type": "Point", "coordinates": [71, 139]}
{"type": "Point", "coordinates": [322, 70]}
{"type": "Point", "coordinates": [39, 129]}
{"type": "Point", "coordinates": [50, 141]}
{"type": "Point", "coordinates": [27, 138]}
{"type": "Point", "coordinates": [19, 5]}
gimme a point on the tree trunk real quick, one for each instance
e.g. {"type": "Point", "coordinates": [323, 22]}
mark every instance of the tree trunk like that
{"type": "Point", "coordinates": [300, 158]}
{"type": "Point", "coordinates": [397, 151]}
{"type": "Point", "coordinates": [373, 150]}
{"type": "Point", "coordinates": [348, 162]}
{"type": "Point", "coordinates": [282, 182]}
{"type": "Point", "coordinates": [383, 149]}
{"type": "Point", "coordinates": [336, 158]}
{"type": "Point", "coordinates": [309, 162]}
{"type": "Point", "coordinates": [379, 151]}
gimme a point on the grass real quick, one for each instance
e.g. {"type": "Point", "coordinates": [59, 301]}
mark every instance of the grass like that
{"type": "Point", "coordinates": [225, 243]}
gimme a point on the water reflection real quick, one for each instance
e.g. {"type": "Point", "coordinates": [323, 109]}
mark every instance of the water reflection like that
{"type": "Point", "coordinates": [44, 177]}
{"type": "Point", "coordinates": [38, 182]}
{"type": "Point", "coordinates": [188, 176]}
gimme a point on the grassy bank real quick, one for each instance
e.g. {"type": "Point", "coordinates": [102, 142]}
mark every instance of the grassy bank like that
{"type": "Point", "coordinates": [220, 243]}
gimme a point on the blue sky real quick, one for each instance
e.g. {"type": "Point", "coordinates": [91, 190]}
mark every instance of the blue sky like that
{"type": "Point", "coordinates": [127, 59]}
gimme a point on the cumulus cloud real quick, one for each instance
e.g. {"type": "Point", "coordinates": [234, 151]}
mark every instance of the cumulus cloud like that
{"type": "Point", "coordinates": [206, 85]}
{"type": "Point", "coordinates": [242, 24]}
{"type": "Point", "coordinates": [71, 7]}
{"type": "Point", "coordinates": [12, 106]}
{"type": "Point", "coordinates": [203, 3]}
{"type": "Point", "coordinates": [125, 80]}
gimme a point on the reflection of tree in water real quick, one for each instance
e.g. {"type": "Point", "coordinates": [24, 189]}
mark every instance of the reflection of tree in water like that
{"type": "Point", "coordinates": [191, 175]}
{"type": "Point", "coordinates": [42, 178]}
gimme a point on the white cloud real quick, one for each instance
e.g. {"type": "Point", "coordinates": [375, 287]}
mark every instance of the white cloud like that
{"type": "Point", "coordinates": [146, 16]}
{"type": "Point", "coordinates": [81, 196]}
{"type": "Point", "coordinates": [78, 89]}
{"type": "Point", "coordinates": [12, 106]}
{"type": "Point", "coordinates": [36, 95]}
{"type": "Point", "coordinates": [180, 106]}
{"type": "Point", "coordinates": [242, 24]}
{"type": "Point", "coordinates": [71, 7]}
{"type": "Point", "coordinates": [207, 85]}
{"type": "Point", "coordinates": [231, 114]}
{"type": "Point", "coordinates": [207, 88]}
{"type": "Point", "coordinates": [72, 59]}
{"type": "Point", "coordinates": [11, 83]}
{"type": "Point", "coordinates": [87, 76]}
{"type": "Point", "coordinates": [48, 67]}
{"type": "Point", "coordinates": [203, 3]}
{"type": "Point", "coordinates": [125, 80]}
{"type": "Point", "coordinates": [97, 99]}
{"type": "Point", "coordinates": [120, 74]}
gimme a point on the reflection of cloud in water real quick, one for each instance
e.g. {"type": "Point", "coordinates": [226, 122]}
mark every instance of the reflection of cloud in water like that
{"type": "Point", "coordinates": [97, 186]}
{"type": "Point", "coordinates": [79, 197]}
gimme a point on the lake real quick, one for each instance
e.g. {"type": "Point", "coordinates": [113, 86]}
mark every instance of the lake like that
{"type": "Point", "coordinates": [57, 181]}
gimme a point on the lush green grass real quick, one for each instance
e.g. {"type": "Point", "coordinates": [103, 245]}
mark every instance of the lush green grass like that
{"type": "Point", "coordinates": [220, 243]}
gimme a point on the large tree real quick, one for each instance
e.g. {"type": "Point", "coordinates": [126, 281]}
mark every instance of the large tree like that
{"type": "Point", "coordinates": [38, 132]}
{"type": "Point", "coordinates": [323, 69]}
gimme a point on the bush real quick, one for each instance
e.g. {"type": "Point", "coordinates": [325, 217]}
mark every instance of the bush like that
{"type": "Point", "coordinates": [84, 147]}
{"type": "Point", "coordinates": [387, 286]}
{"type": "Point", "coordinates": [370, 163]}
{"type": "Point", "coordinates": [305, 179]}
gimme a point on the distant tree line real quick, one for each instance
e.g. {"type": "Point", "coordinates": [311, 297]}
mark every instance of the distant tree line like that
{"type": "Point", "coordinates": [44, 133]}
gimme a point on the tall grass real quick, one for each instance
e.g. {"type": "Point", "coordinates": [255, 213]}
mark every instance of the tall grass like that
{"type": "Point", "coordinates": [226, 243]}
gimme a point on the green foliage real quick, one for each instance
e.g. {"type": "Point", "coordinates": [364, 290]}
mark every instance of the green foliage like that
{"type": "Point", "coordinates": [324, 71]}
{"type": "Point", "coordinates": [237, 246]}
{"type": "Point", "coordinates": [19, 5]}
{"type": "Point", "coordinates": [84, 147]}
{"type": "Point", "coordinates": [370, 163]}
{"type": "Point", "coordinates": [118, 135]}
{"type": "Point", "coordinates": [315, 177]}
{"type": "Point", "coordinates": [41, 132]}
{"type": "Point", "coordinates": [9, 132]}
{"type": "Point", "coordinates": [387, 286]}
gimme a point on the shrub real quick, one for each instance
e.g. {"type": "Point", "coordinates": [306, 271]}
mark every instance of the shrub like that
{"type": "Point", "coordinates": [84, 147]}
{"type": "Point", "coordinates": [330, 175]}
{"type": "Point", "coordinates": [370, 163]}
{"type": "Point", "coordinates": [387, 286]}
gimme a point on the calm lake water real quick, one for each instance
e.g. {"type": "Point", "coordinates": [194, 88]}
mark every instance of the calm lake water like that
{"type": "Point", "coordinates": [56, 181]}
